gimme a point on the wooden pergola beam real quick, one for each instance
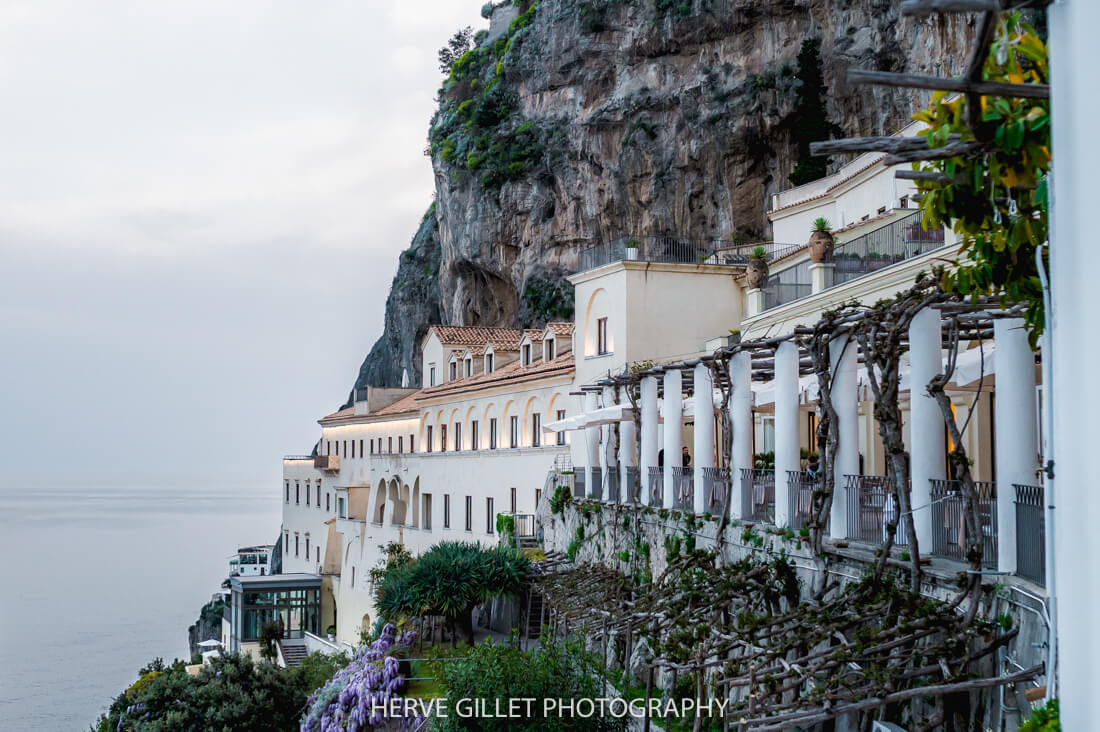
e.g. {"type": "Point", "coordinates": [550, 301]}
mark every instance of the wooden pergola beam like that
{"type": "Point", "coordinates": [928, 7]}
{"type": "Point", "coordinates": [943, 83]}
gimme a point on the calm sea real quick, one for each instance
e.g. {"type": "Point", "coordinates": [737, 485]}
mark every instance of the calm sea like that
{"type": "Point", "coordinates": [97, 579]}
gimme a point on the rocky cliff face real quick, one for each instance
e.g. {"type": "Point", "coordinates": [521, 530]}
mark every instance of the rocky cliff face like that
{"type": "Point", "coordinates": [593, 119]}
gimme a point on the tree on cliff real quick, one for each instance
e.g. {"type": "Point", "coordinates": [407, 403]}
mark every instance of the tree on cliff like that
{"type": "Point", "coordinates": [809, 121]}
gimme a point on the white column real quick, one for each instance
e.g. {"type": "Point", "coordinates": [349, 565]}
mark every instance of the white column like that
{"type": "Point", "coordinates": [673, 443]}
{"type": "Point", "coordinates": [926, 427]}
{"type": "Point", "coordinates": [786, 426]}
{"type": "Point", "coordinates": [704, 432]}
{"type": "Point", "coordinates": [1073, 512]}
{"type": "Point", "coordinates": [627, 445]}
{"type": "Point", "coordinates": [1015, 429]}
{"type": "Point", "coordinates": [741, 420]}
{"type": "Point", "coordinates": [610, 444]}
{"type": "Point", "coordinates": [650, 435]}
{"type": "Point", "coordinates": [821, 276]}
{"type": "Point", "coordinates": [754, 304]}
{"type": "Point", "coordinates": [845, 399]}
{"type": "Point", "coordinates": [591, 443]}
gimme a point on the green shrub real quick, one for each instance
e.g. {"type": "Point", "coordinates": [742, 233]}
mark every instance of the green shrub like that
{"type": "Point", "coordinates": [1043, 719]}
{"type": "Point", "coordinates": [562, 496]}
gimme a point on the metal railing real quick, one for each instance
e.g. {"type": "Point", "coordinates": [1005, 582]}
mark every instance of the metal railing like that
{"type": "Point", "coordinates": [632, 486]}
{"type": "Point", "coordinates": [871, 509]}
{"type": "Point", "coordinates": [758, 494]}
{"type": "Point", "coordinates": [800, 494]}
{"type": "Point", "coordinates": [716, 490]}
{"type": "Point", "coordinates": [578, 484]}
{"type": "Point", "coordinates": [656, 486]}
{"type": "Point", "coordinates": [1030, 533]}
{"type": "Point", "coordinates": [678, 250]}
{"type": "Point", "coordinates": [684, 481]}
{"type": "Point", "coordinates": [612, 485]}
{"type": "Point", "coordinates": [596, 489]}
{"type": "Point", "coordinates": [949, 537]}
{"type": "Point", "coordinates": [780, 293]}
{"type": "Point", "coordinates": [895, 242]}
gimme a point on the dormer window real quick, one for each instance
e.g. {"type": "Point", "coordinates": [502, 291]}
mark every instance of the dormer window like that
{"type": "Point", "coordinates": [431, 375]}
{"type": "Point", "coordinates": [454, 370]}
{"type": "Point", "coordinates": [469, 366]}
{"type": "Point", "coordinates": [526, 354]}
{"type": "Point", "coordinates": [548, 349]}
{"type": "Point", "coordinates": [488, 363]}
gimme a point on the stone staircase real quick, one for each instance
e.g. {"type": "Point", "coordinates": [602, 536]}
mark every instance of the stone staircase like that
{"type": "Point", "coordinates": [293, 653]}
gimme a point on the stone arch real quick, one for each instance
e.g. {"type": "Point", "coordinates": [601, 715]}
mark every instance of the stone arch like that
{"type": "Point", "coordinates": [415, 519]}
{"type": "Point", "coordinates": [527, 435]}
{"type": "Point", "coordinates": [379, 514]}
{"type": "Point", "coordinates": [453, 419]}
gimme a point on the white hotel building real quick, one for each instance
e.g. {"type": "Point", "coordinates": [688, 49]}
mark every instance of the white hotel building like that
{"type": "Point", "coordinates": [419, 466]}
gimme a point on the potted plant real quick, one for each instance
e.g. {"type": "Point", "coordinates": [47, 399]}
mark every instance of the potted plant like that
{"type": "Point", "coordinates": [756, 273]}
{"type": "Point", "coordinates": [632, 248]}
{"type": "Point", "coordinates": [821, 240]}
{"type": "Point", "coordinates": [330, 631]}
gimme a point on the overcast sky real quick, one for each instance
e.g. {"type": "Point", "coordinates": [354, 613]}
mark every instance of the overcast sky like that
{"type": "Point", "coordinates": [201, 207]}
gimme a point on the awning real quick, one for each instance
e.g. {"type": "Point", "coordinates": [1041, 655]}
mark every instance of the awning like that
{"type": "Point", "coordinates": [606, 415]}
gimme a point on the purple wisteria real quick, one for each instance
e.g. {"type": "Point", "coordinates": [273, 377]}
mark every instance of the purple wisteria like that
{"type": "Point", "coordinates": [357, 697]}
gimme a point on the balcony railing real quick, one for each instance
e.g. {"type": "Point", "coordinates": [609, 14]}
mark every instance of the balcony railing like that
{"type": "Point", "coordinates": [632, 486]}
{"type": "Point", "coordinates": [656, 486]}
{"type": "Point", "coordinates": [716, 490]}
{"type": "Point", "coordinates": [949, 538]}
{"type": "Point", "coordinates": [1030, 533]}
{"type": "Point", "coordinates": [683, 479]}
{"type": "Point", "coordinates": [596, 489]}
{"type": "Point", "coordinates": [800, 494]}
{"type": "Point", "coordinates": [612, 484]}
{"type": "Point", "coordinates": [871, 509]}
{"type": "Point", "coordinates": [895, 242]}
{"type": "Point", "coordinates": [330, 463]}
{"type": "Point", "coordinates": [677, 250]}
{"type": "Point", "coordinates": [757, 494]}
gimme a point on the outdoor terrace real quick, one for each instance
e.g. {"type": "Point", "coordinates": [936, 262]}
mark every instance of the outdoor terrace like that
{"type": "Point", "coordinates": [678, 250]}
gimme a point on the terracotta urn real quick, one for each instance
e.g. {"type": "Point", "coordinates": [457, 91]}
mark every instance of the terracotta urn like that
{"type": "Point", "coordinates": [756, 273]}
{"type": "Point", "coordinates": [821, 246]}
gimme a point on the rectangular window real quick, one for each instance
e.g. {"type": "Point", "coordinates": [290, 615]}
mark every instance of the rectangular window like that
{"type": "Point", "coordinates": [488, 515]}
{"type": "Point", "coordinates": [561, 435]}
{"type": "Point", "coordinates": [287, 491]}
{"type": "Point", "coordinates": [346, 448]}
{"type": "Point", "coordinates": [361, 453]}
{"type": "Point", "coordinates": [446, 510]}
{"type": "Point", "coordinates": [307, 493]}
{"type": "Point", "coordinates": [549, 349]}
{"type": "Point", "coordinates": [318, 494]}
{"type": "Point", "coordinates": [429, 438]}
{"type": "Point", "coordinates": [512, 498]}
{"type": "Point", "coordinates": [601, 336]}
{"type": "Point", "coordinates": [412, 448]}
{"type": "Point", "coordinates": [296, 545]}
{"type": "Point", "coordinates": [318, 555]}
{"type": "Point", "coordinates": [458, 435]}
{"type": "Point", "coordinates": [372, 447]}
{"type": "Point", "coordinates": [286, 542]}
{"type": "Point", "coordinates": [341, 507]}
{"type": "Point", "coordinates": [493, 433]}
{"type": "Point", "coordinates": [469, 513]}
{"type": "Point", "coordinates": [488, 363]}
{"type": "Point", "coordinates": [353, 448]}
{"type": "Point", "coordinates": [474, 444]}
{"type": "Point", "coordinates": [328, 501]}
{"type": "Point", "coordinates": [443, 438]}
{"type": "Point", "coordinates": [401, 443]}
{"type": "Point", "coordinates": [513, 431]}
{"type": "Point", "coordinates": [328, 447]}
{"type": "Point", "coordinates": [431, 376]}
{"type": "Point", "coordinates": [536, 430]}
{"type": "Point", "coordinates": [389, 445]}
{"type": "Point", "coordinates": [538, 497]}
{"type": "Point", "coordinates": [469, 367]}
{"type": "Point", "coordinates": [297, 493]}
{"type": "Point", "coordinates": [526, 354]}
{"type": "Point", "coordinates": [427, 512]}
{"type": "Point", "coordinates": [307, 546]}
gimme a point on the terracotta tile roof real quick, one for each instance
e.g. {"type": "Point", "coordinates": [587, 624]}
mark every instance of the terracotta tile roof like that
{"type": "Point", "coordinates": [475, 335]}
{"type": "Point", "coordinates": [560, 329]}
{"type": "Point", "coordinates": [401, 406]}
{"type": "Point", "coordinates": [514, 372]}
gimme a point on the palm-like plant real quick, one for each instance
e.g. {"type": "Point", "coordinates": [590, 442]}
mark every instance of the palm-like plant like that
{"type": "Point", "coordinates": [450, 580]}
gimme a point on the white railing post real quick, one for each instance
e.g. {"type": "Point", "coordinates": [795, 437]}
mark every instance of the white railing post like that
{"type": "Point", "coordinates": [704, 433]}
{"type": "Point", "coordinates": [741, 420]}
{"type": "Point", "coordinates": [649, 447]}
{"type": "Point", "coordinates": [926, 426]}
